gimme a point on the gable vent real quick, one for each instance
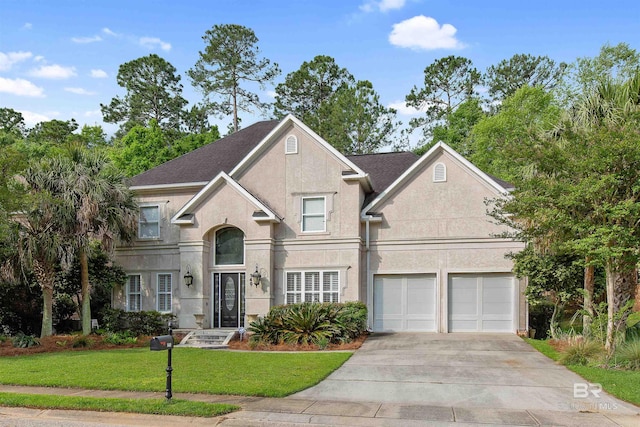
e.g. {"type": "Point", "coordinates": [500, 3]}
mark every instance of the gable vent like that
{"type": "Point", "coordinates": [291, 145]}
{"type": "Point", "coordinates": [439, 173]}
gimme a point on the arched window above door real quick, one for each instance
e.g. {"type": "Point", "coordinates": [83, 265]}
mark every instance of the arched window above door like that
{"type": "Point", "coordinates": [229, 244]}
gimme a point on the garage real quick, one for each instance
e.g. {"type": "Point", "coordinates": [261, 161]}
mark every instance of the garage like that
{"type": "Point", "coordinates": [481, 303]}
{"type": "Point", "coordinates": [404, 303]}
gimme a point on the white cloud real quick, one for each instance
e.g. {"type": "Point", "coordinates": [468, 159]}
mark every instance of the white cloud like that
{"type": "Point", "coordinates": [424, 33]}
{"type": "Point", "coordinates": [92, 113]}
{"type": "Point", "coordinates": [27, 26]}
{"type": "Point", "coordinates": [99, 74]}
{"type": "Point", "coordinates": [271, 94]}
{"type": "Point", "coordinates": [108, 32]}
{"type": "Point", "coordinates": [84, 40]}
{"type": "Point", "coordinates": [152, 42]}
{"type": "Point", "coordinates": [39, 58]}
{"type": "Point", "coordinates": [8, 59]}
{"type": "Point", "coordinates": [403, 109]}
{"type": "Point", "coordinates": [79, 91]}
{"type": "Point", "coordinates": [31, 119]}
{"type": "Point", "coordinates": [20, 87]}
{"type": "Point", "coordinates": [382, 5]}
{"type": "Point", "coordinates": [53, 72]}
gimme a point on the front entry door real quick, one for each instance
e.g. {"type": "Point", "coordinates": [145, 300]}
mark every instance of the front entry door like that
{"type": "Point", "coordinates": [228, 300]}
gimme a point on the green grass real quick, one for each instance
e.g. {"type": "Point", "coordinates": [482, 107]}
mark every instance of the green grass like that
{"type": "Point", "coordinates": [622, 384]}
{"type": "Point", "coordinates": [140, 406]}
{"type": "Point", "coordinates": [194, 370]}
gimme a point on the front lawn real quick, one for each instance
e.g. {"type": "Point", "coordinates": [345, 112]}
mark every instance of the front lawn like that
{"type": "Point", "coordinates": [194, 370]}
{"type": "Point", "coordinates": [621, 384]}
{"type": "Point", "coordinates": [103, 404]}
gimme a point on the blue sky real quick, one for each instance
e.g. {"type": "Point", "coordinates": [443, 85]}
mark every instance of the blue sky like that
{"type": "Point", "coordinates": [59, 59]}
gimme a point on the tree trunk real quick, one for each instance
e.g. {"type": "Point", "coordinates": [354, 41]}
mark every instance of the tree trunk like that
{"type": "Point", "coordinates": [44, 276]}
{"type": "Point", "coordinates": [589, 285]}
{"type": "Point", "coordinates": [86, 293]}
{"type": "Point", "coordinates": [621, 283]}
{"type": "Point", "coordinates": [636, 306]}
{"type": "Point", "coordinates": [554, 315]}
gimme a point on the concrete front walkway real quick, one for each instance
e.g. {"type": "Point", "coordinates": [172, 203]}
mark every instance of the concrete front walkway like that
{"type": "Point", "coordinates": [399, 380]}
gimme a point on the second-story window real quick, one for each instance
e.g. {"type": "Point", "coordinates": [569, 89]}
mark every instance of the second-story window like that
{"type": "Point", "coordinates": [149, 222]}
{"type": "Point", "coordinates": [313, 214]}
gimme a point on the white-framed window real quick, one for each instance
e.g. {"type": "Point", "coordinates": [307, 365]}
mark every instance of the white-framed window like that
{"type": "Point", "coordinates": [149, 222]}
{"type": "Point", "coordinates": [134, 293]}
{"type": "Point", "coordinates": [312, 286]}
{"type": "Point", "coordinates": [229, 246]}
{"type": "Point", "coordinates": [291, 145]}
{"type": "Point", "coordinates": [439, 172]}
{"type": "Point", "coordinates": [313, 214]}
{"type": "Point", "coordinates": [165, 287]}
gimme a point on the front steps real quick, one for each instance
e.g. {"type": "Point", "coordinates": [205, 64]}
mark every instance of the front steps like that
{"type": "Point", "coordinates": [208, 338]}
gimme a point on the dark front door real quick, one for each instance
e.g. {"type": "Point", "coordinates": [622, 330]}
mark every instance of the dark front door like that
{"type": "Point", "coordinates": [228, 305]}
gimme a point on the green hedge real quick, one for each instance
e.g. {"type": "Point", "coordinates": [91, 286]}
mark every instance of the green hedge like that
{"type": "Point", "coordinates": [135, 322]}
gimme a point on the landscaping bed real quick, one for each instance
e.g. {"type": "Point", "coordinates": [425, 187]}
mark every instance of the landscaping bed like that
{"type": "Point", "coordinates": [247, 345]}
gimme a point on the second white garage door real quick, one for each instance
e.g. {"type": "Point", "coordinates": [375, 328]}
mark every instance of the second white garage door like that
{"type": "Point", "coordinates": [404, 303]}
{"type": "Point", "coordinates": [481, 303]}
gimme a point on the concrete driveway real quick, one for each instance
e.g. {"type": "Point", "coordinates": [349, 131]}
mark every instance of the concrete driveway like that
{"type": "Point", "coordinates": [464, 371]}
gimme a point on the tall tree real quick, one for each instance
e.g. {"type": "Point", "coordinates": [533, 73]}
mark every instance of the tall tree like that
{"type": "Point", "coordinates": [230, 59]}
{"type": "Point", "coordinates": [521, 70]}
{"type": "Point", "coordinates": [305, 90]}
{"type": "Point", "coordinates": [448, 82]}
{"type": "Point", "coordinates": [11, 122]}
{"type": "Point", "coordinates": [153, 92]}
{"type": "Point", "coordinates": [354, 121]}
{"type": "Point", "coordinates": [39, 242]}
{"type": "Point", "coordinates": [105, 211]}
{"type": "Point", "coordinates": [54, 131]}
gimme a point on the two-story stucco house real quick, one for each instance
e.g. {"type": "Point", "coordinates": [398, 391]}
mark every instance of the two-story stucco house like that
{"type": "Point", "coordinates": [407, 235]}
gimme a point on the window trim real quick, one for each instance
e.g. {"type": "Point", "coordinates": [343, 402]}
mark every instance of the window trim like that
{"type": "Point", "coordinates": [165, 293]}
{"type": "Point", "coordinates": [157, 206]}
{"type": "Point", "coordinates": [299, 296]}
{"type": "Point", "coordinates": [129, 294]}
{"type": "Point", "coordinates": [303, 215]}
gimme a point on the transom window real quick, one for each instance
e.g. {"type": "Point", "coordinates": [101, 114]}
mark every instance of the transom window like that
{"type": "Point", "coordinates": [149, 222]}
{"type": "Point", "coordinates": [313, 214]}
{"type": "Point", "coordinates": [229, 246]}
{"type": "Point", "coordinates": [164, 292]}
{"type": "Point", "coordinates": [134, 294]}
{"type": "Point", "coordinates": [312, 286]}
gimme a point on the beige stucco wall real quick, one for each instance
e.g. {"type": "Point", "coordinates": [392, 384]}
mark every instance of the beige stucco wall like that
{"type": "Point", "coordinates": [440, 228]}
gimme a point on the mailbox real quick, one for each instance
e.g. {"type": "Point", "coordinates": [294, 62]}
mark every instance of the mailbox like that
{"type": "Point", "coordinates": [163, 342]}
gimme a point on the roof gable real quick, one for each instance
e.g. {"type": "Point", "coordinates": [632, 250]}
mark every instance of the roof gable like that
{"type": "Point", "coordinates": [185, 214]}
{"type": "Point", "coordinates": [399, 183]}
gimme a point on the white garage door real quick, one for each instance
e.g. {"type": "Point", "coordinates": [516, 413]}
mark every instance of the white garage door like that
{"type": "Point", "coordinates": [481, 303]}
{"type": "Point", "coordinates": [404, 303]}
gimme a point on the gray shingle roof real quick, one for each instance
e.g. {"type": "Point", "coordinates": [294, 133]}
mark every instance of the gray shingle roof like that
{"type": "Point", "coordinates": [204, 163]}
{"type": "Point", "coordinates": [383, 168]}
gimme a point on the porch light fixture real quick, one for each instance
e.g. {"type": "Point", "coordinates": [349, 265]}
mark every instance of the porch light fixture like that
{"type": "Point", "coordinates": [255, 277]}
{"type": "Point", "coordinates": [188, 277]}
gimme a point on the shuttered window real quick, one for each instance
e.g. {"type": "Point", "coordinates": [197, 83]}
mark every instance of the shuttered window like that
{"type": "Point", "coordinates": [164, 293]}
{"type": "Point", "coordinates": [319, 286]}
{"type": "Point", "coordinates": [134, 294]}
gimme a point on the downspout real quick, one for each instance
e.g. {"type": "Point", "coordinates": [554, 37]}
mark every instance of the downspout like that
{"type": "Point", "coordinates": [367, 246]}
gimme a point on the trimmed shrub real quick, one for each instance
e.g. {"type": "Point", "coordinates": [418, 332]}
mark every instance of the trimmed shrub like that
{"type": "Point", "coordinates": [136, 322]}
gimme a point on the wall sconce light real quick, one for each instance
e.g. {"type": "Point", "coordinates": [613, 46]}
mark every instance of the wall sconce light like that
{"type": "Point", "coordinates": [188, 277]}
{"type": "Point", "coordinates": [255, 277]}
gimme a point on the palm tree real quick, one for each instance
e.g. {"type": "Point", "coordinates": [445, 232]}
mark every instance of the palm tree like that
{"type": "Point", "coordinates": [105, 211]}
{"type": "Point", "coordinates": [609, 107]}
{"type": "Point", "coordinates": [39, 243]}
{"type": "Point", "coordinates": [78, 199]}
